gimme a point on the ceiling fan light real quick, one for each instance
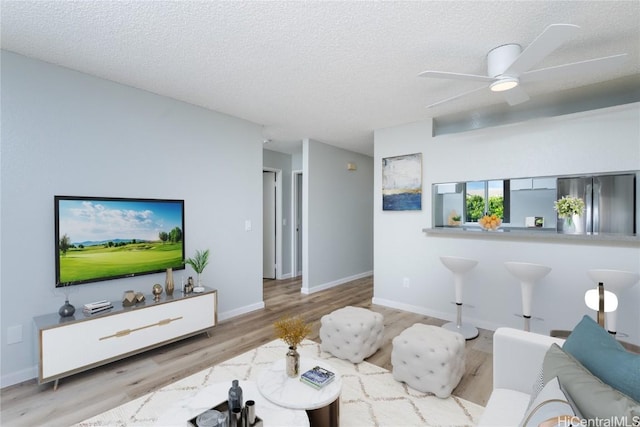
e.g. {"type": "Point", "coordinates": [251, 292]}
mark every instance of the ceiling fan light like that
{"type": "Point", "coordinates": [503, 84]}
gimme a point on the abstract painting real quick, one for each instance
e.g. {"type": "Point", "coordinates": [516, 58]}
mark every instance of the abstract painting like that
{"type": "Point", "coordinates": [402, 183]}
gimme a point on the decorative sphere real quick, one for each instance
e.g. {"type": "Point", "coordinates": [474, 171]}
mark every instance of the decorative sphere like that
{"type": "Point", "coordinates": [157, 289]}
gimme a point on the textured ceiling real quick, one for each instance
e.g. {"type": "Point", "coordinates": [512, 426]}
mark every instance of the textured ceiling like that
{"type": "Point", "coordinates": [330, 71]}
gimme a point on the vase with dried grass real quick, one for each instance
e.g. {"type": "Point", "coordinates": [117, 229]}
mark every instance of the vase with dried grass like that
{"type": "Point", "coordinates": [292, 330]}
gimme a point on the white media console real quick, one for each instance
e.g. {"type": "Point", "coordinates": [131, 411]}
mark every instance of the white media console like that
{"type": "Point", "coordinates": [70, 345]}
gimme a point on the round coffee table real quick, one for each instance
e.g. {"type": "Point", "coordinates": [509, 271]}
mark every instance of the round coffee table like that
{"type": "Point", "coordinates": [322, 406]}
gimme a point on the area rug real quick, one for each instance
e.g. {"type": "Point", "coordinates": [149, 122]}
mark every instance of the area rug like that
{"type": "Point", "coordinates": [370, 396]}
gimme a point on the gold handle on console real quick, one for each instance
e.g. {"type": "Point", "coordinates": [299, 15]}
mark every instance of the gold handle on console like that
{"type": "Point", "coordinates": [126, 332]}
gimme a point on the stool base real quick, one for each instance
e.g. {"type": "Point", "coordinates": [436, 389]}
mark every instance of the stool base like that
{"type": "Point", "coordinates": [468, 331]}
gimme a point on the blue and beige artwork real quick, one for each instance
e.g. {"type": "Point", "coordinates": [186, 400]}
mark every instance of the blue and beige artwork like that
{"type": "Point", "coordinates": [402, 183]}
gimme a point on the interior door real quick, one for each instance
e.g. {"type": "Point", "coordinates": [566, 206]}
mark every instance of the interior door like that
{"type": "Point", "coordinates": [299, 224]}
{"type": "Point", "coordinates": [268, 225]}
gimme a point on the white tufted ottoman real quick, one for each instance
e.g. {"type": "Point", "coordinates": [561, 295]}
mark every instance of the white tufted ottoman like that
{"type": "Point", "coordinates": [352, 333]}
{"type": "Point", "coordinates": [428, 359]}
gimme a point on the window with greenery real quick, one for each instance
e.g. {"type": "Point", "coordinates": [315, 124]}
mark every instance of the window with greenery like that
{"type": "Point", "coordinates": [487, 197]}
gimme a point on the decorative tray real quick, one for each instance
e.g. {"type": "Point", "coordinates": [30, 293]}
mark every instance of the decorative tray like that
{"type": "Point", "coordinates": [224, 408]}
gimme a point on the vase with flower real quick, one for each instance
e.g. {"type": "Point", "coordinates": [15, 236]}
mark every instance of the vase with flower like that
{"type": "Point", "coordinates": [292, 330]}
{"type": "Point", "coordinates": [569, 210]}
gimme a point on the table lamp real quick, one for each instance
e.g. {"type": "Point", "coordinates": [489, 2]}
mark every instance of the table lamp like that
{"type": "Point", "coordinates": [616, 281]}
{"type": "Point", "coordinates": [602, 301]}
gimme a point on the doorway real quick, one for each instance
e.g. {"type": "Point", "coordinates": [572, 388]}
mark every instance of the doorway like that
{"type": "Point", "coordinates": [296, 215]}
{"type": "Point", "coordinates": [268, 224]}
{"type": "Point", "coordinates": [271, 223]}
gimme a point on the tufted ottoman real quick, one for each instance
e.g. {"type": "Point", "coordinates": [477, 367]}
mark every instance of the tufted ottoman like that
{"type": "Point", "coordinates": [428, 359]}
{"type": "Point", "coordinates": [352, 333]}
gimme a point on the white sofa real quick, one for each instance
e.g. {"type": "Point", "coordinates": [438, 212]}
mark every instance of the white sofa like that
{"type": "Point", "coordinates": [517, 362]}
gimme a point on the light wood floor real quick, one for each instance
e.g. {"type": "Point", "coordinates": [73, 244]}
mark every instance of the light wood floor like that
{"type": "Point", "coordinates": [90, 393]}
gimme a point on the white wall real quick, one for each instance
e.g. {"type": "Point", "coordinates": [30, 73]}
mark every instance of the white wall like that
{"type": "Point", "coordinates": [337, 216]}
{"type": "Point", "coordinates": [68, 133]}
{"type": "Point", "coordinates": [598, 141]}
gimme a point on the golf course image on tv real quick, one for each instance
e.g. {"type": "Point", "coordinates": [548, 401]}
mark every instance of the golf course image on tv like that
{"type": "Point", "coordinates": [102, 238]}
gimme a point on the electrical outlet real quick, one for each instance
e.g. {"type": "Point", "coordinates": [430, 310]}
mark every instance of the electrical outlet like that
{"type": "Point", "coordinates": [406, 282]}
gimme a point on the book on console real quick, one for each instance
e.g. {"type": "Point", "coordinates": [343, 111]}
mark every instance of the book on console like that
{"type": "Point", "coordinates": [97, 310]}
{"type": "Point", "coordinates": [317, 377]}
{"type": "Point", "coordinates": [98, 304]}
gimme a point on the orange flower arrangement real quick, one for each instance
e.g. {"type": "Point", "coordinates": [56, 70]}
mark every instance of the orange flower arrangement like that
{"type": "Point", "coordinates": [292, 330]}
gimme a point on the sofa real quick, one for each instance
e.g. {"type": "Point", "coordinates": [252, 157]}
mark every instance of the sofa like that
{"type": "Point", "coordinates": [517, 360]}
{"type": "Point", "coordinates": [585, 378]}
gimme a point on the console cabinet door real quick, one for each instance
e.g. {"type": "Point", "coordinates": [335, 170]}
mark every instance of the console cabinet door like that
{"type": "Point", "coordinates": [72, 347]}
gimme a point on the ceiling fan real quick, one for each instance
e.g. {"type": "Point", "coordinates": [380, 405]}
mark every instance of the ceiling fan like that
{"type": "Point", "coordinates": [509, 67]}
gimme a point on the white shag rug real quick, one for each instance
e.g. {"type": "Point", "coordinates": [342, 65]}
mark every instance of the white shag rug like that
{"type": "Point", "coordinates": [370, 396]}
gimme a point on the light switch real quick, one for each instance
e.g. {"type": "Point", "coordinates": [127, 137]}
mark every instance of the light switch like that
{"type": "Point", "coordinates": [247, 225]}
{"type": "Point", "coordinates": [14, 334]}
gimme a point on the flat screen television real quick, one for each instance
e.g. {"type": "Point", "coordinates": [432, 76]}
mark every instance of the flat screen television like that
{"type": "Point", "coordinates": [103, 238]}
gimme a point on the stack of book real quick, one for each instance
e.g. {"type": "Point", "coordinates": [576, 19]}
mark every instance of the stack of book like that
{"type": "Point", "coordinates": [97, 307]}
{"type": "Point", "coordinates": [317, 377]}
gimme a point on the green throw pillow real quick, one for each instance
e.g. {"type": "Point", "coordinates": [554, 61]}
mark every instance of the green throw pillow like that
{"type": "Point", "coordinates": [592, 398]}
{"type": "Point", "coordinates": [604, 357]}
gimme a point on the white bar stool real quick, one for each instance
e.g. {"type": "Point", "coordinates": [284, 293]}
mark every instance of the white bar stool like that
{"type": "Point", "coordinates": [459, 267]}
{"type": "Point", "coordinates": [528, 274]}
{"type": "Point", "coordinates": [616, 281]}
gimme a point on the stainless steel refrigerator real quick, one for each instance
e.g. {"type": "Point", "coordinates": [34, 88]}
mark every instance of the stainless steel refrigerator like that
{"type": "Point", "coordinates": [610, 203]}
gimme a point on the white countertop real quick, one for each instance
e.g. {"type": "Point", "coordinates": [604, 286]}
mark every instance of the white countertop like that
{"type": "Point", "coordinates": [534, 234]}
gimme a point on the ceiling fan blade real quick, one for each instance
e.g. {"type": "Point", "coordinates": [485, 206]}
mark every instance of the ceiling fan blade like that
{"type": "Point", "coordinates": [515, 96]}
{"type": "Point", "coordinates": [551, 38]}
{"type": "Point", "coordinates": [595, 66]}
{"type": "Point", "coordinates": [460, 95]}
{"type": "Point", "coordinates": [455, 76]}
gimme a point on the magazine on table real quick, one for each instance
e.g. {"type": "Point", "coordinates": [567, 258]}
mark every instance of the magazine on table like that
{"type": "Point", "coordinates": [317, 377]}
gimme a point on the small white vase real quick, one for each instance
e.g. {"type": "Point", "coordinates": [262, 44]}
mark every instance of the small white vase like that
{"type": "Point", "coordinates": [573, 225]}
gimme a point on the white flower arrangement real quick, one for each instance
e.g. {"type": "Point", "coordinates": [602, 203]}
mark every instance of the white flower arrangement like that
{"type": "Point", "coordinates": [568, 206]}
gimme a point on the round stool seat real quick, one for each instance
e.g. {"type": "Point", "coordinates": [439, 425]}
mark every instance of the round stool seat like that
{"type": "Point", "coordinates": [528, 274]}
{"type": "Point", "coordinates": [459, 267]}
{"type": "Point", "coordinates": [615, 281]}
{"type": "Point", "coordinates": [458, 264]}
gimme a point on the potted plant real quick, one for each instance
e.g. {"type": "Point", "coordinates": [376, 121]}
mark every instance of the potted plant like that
{"type": "Point", "coordinates": [454, 219]}
{"type": "Point", "coordinates": [198, 262]}
{"type": "Point", "coordinates": [568, 206]}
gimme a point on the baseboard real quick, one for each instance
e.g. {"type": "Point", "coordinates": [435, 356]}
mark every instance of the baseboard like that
{"type": "Point", "coordinates": [239, 311]}
{"type": "Point", "coordinates": [285, 276]}
{"type": "Point", "coordinates": [19, 377]}
{"type": "Point", "coordinates": [335, 283]}
{"type": "Point", "coordinates": [450, 317]}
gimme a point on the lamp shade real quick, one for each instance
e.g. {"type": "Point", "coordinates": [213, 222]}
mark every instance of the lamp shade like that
{"type": "Point", "coordinates": [592, 299]}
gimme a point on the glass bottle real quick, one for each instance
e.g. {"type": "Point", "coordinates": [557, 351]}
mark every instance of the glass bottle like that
{"type": "Point", "coordinates": [235, 397]}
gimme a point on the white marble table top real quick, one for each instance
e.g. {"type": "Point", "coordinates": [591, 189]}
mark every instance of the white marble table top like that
{"type": "Point", "coordinates": [178, 413]}
{"type": "Point", "coordinates": [276, 386]}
